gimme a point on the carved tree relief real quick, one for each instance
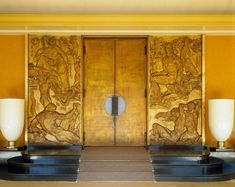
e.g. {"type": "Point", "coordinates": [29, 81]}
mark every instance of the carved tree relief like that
{"type": "Point", "coordinates": [54, 103]}
{"type": "Point", "coordinates": [175, 90]}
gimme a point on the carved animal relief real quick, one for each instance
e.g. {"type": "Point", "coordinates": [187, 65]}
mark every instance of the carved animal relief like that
{"type": "Point", "coordinates": [175, 90]}
{"type": "Point", "coordinates": [54, 103]}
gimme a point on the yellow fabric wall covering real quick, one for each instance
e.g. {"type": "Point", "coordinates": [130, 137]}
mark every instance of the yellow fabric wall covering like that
{"type": "Point", "coordinates": [12, 57]}
{"type": "Point", "coordinates": [220, 75]}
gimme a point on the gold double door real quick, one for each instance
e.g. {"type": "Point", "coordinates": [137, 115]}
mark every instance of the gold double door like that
{"type": "Point", "coordinates": [115, 67]}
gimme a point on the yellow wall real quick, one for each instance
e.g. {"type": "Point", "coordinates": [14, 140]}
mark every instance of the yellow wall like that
{"type": "Point", "coordinates": [220, 75]}
{"type": "Point", "coordinates": [220, 72]}
{"type": "Point", "coordinates": [11, 71]}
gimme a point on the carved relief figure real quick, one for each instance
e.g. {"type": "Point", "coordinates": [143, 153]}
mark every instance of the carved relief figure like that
{"type": "Point", "coordinates": [49, 120]}
{"type": "Point", "coordinates": [54, 89]}
{"type": "Point", "coordinates": [175, 90]}
{"type": "Point", "coordinates": [185, 118]}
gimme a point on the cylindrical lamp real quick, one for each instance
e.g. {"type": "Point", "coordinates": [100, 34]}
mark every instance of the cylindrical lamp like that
{"type": "Point", "coordinates": [221, 116]}
{"type": "Point", "coordinates": [11, 119]}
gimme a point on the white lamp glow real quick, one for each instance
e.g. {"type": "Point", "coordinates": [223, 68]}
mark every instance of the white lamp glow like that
{"type": "Point", "coordinates": [221, 118]}
{"type": "Point", "coordinates": [11, 119]}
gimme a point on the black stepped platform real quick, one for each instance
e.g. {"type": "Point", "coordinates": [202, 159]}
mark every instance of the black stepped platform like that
{"type": "Point", "coordinates": [44, 163]}
{"type": "Point", "coordinates": [214, 166]}
{"type": "Point", "coordinates": [189, 163]}
{"type": "Point", "coordinates": [179, 154]}
{"type": "Point", "coordinates": [51, 156]}
{"type": "Point", "coordinates": [179, 157]}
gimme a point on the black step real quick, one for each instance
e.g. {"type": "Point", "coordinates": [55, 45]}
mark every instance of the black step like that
{"type": "Point", "coordinates": [17, 165]}
{"type": "Point", "coordinates": [32, 177]}
{"type": "Point", "coordinates": [48, 163]}
{"type": "Point", "coordinates": [36, 147]}
{"type": "Point", "coordinates": [176, 148]}
{"type": "Point", "coordinates": [228, 173]}
{"type": "Point", "coordinates": [188, 163]}
{"type": "Point", "coordinates": [179, 155]}
{"type": "Point", "coordinates": [214, 166]}
{"type": "Point", "coordinates": [51, 156]}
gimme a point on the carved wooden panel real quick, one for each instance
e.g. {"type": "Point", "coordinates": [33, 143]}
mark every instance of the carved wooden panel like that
{"type": "Point", "coordinates": [54, 87]}
{"type": "Point", "coordinates": [175, 90]}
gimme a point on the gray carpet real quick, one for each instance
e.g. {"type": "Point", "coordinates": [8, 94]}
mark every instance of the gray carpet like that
{"type": "Point", "coordinates": [115, 164]}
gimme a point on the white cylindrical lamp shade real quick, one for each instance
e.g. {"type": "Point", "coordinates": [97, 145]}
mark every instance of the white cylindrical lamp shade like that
{"type": "Point", "coordinates": [11, 118]}
{"type": "Point", "coordinates": [221, 118]}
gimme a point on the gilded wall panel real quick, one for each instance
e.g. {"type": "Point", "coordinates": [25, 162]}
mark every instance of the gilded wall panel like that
{"type": "Point", "coordinates": [54, 87]}
{"type": "Point", "coordinates": [175, 90]}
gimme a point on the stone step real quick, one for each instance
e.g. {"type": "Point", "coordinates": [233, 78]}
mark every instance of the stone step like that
{"type": "Point", "coordinates": [115, 166]}
{"type": "Point", "coordinates": [115, 176]}
{"type": "Point", "coordinates": [114, 153]}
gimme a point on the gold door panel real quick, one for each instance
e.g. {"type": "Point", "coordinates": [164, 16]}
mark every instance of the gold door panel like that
{"type": "Point", "coordinates": [130, 84]}
{"type": "Point", "coordinates": [98, 84]}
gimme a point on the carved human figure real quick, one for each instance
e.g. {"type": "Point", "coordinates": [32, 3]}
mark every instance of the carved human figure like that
{"type": "Point", "coordinates": [171, 77]}
{"type": "Point", "coordinates": [191, 57]}
{"type": "Point", "coordinates": [51, 57]}
{"type": "Point", "coordinates": [185, 118]}
{"type": "Point", "coordinates": [58, 60]}
{"type": "Point", "coordinates": [45, 81]}
{"type": "Point", "coordinates": [191, 122]}
{"type": "Point", "coordinates": [48, 122]}
{"type": "Point", "coordinates": [172, 68]}
{"type": "Point", "coordinates": [159, 134]}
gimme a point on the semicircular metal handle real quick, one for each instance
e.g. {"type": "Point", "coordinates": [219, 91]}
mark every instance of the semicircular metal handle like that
{"type": "Point", "coordinates": [115, 105]}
